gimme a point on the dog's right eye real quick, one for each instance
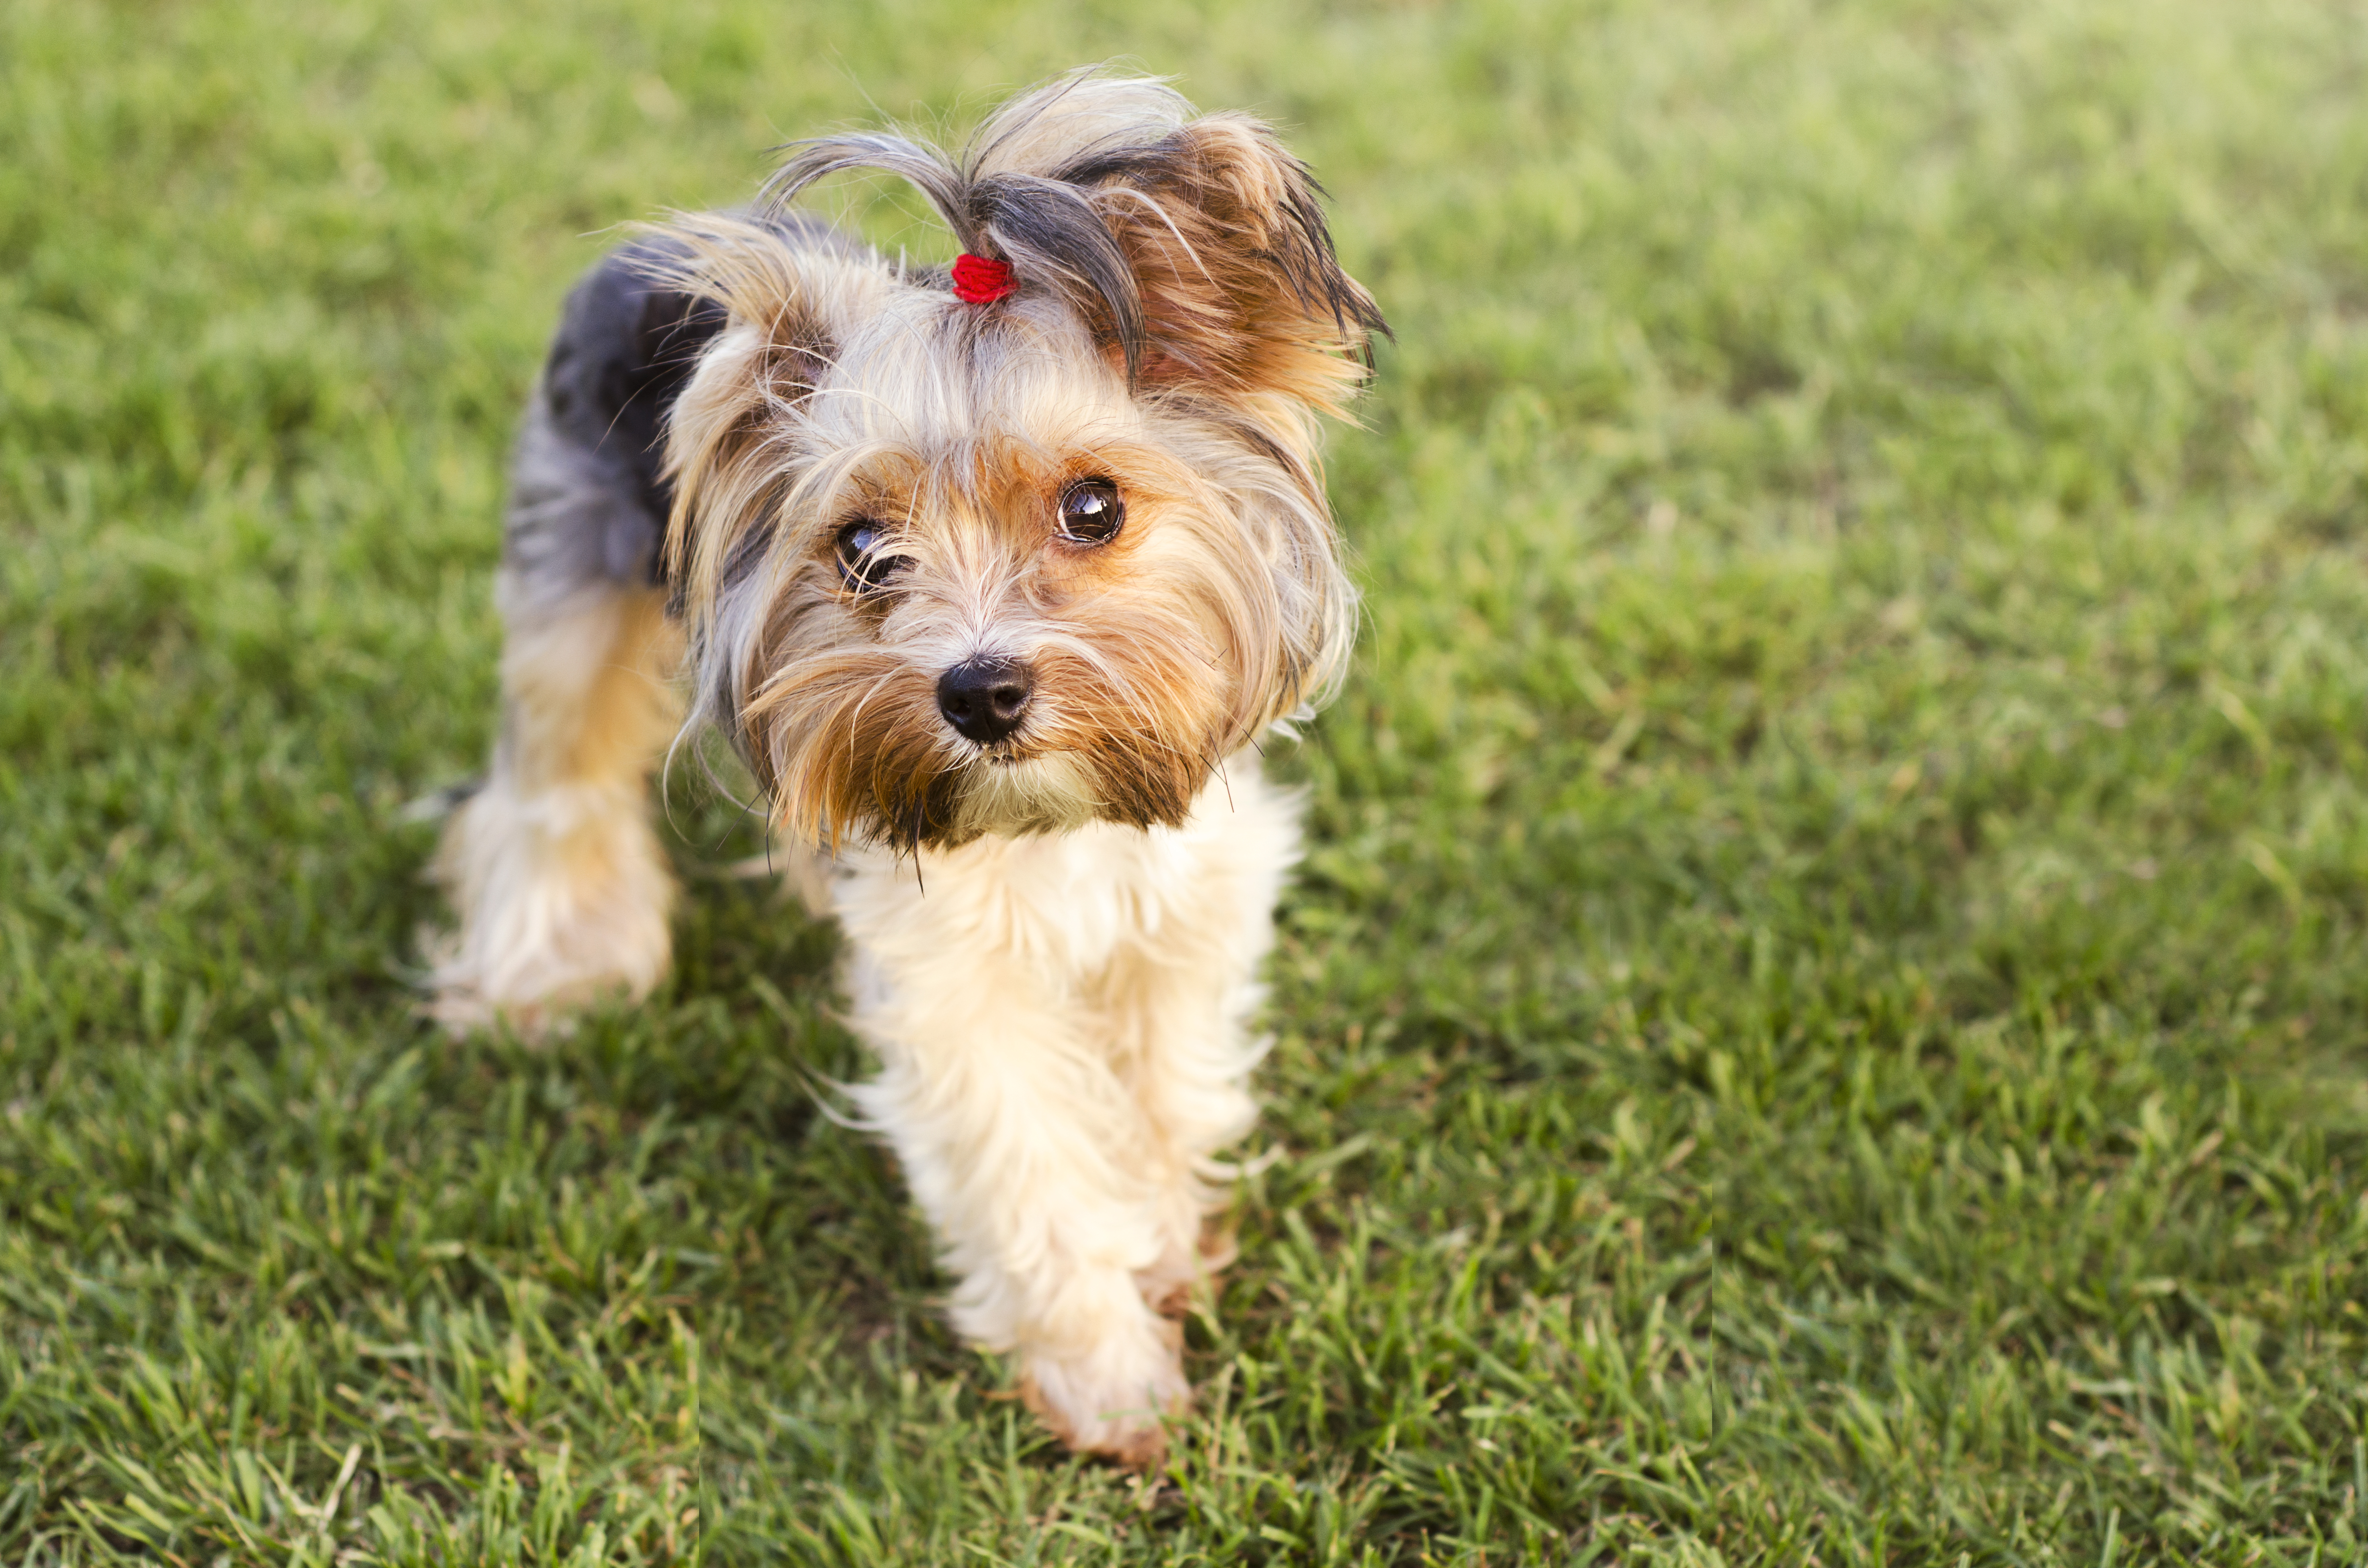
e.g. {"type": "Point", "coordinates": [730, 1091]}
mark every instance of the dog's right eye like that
{"type": "Point", "coordinates": [860, 565]}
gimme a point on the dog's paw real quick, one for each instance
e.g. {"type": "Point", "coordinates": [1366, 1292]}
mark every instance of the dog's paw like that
{"type": "Point", "coordinates": [1167, 1285]}
{"type": "Point", "coordinates": [457, 1001]}
{"type": "Point", "coordinates": [1113, 1401]}
{"type": "Point", "coordinates": [551, 920]}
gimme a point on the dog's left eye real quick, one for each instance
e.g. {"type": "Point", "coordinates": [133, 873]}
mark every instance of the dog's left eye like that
{"type": "Point", "coordinates": [1091, 512]}
{"type": "Point", "coordinates": [860, 565]}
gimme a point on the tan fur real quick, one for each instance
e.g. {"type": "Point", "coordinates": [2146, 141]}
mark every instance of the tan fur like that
{"type": "Point", "coordinates": [1205, 246]}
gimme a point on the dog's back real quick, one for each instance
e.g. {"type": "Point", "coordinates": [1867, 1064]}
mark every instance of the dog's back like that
{"type": "Point", "coordinates": [589, 496]}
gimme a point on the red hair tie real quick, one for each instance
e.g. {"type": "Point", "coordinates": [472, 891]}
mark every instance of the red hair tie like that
{"type": "Point", "coordinates": [979, 282]}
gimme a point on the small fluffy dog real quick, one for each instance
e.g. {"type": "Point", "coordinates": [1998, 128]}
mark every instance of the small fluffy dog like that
{"type": "Point", "coordinates": [993, 574]}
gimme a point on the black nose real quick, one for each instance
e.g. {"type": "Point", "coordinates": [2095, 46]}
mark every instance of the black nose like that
{"type": "Point", "coordinates": [985, 699]}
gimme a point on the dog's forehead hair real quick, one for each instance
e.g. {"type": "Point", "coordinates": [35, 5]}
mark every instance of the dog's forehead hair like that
{"type": "Point", "coordinates": [942, 381]}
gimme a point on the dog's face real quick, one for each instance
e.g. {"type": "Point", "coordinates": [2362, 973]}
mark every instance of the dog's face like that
{"type": "Point", "coordinates": [954, 568]}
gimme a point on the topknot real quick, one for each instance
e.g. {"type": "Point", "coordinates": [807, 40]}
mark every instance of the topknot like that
{"type": "Point", "coordinates": [1058, 177]}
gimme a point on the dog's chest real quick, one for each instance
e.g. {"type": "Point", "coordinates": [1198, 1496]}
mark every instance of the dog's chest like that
{"type": "Point", "coordinates": [1064, 906]}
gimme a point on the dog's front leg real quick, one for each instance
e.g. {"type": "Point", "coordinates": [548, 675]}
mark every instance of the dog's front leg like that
{"type": "Point", "coordinates": [1020, 1142]}
{"type": "Point", "coordinates": [1179, 1000]}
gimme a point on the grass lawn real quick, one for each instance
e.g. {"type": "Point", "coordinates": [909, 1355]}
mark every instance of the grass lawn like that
{"type": "Point", "coordinates": [1825, 1018]}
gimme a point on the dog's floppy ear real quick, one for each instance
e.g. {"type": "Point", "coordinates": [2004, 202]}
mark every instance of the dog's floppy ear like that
{"type": "Point", "coordinates": [766, 283]}
{"type": "Point", "coordinates": [1236, 288]}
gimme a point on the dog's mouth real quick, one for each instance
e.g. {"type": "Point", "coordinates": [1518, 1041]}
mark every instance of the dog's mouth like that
{"type": "Point", "coordinates": [1013, 789]}
{"type": "Point", "coordinates": [908, 787]}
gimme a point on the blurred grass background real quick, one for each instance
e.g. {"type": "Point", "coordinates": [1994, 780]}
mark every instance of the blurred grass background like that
{"type": "Point", "coordinates": [1823, 1021]}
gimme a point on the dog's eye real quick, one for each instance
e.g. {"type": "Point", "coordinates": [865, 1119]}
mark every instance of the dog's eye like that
{"type": "Point", "coordinates": [1091, 512]}
{"type": "Point", "coordinates": [860, 565]}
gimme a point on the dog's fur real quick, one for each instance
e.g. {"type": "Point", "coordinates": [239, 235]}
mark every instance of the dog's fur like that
{"type": "Point", "coordinates": [813, 482]}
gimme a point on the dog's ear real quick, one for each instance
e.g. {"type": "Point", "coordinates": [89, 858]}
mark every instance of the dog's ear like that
{"type": "Point", "coordinates": [1237, 290]}
{"type": "Point", "coordinates": [759, 363]}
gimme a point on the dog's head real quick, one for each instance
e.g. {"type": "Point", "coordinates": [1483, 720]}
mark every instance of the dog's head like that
{"type": "Point", "coordinates": [1042, 540]}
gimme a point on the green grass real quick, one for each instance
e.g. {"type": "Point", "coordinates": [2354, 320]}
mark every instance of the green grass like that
{"type": "Point", "coordinates": [1823, 1020]}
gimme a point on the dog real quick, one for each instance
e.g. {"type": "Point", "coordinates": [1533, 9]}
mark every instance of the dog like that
{"type": "Point", "coordinates": [993, 575]}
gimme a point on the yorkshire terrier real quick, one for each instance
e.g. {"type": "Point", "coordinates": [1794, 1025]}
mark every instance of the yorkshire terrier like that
{"type": "Point", "coordinates": [993, 576]}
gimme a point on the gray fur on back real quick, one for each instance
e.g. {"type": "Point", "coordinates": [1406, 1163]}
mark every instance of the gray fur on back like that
{"type": "Point", "coordinates": [588, 495]}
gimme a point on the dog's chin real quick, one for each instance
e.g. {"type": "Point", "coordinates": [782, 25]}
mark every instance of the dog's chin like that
{"type": "Point", "coordinates": [1012, 797]}
{"type": "Point", "coordinates": [989, 795]}
{"type": "Point", "coordinates": [996, 793]}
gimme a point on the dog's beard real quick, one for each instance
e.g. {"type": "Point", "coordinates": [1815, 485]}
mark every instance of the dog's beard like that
{"type": "Point", "coordinates": [851, 745]}
{"type": "Point", "coordinates": [1053, 792]}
